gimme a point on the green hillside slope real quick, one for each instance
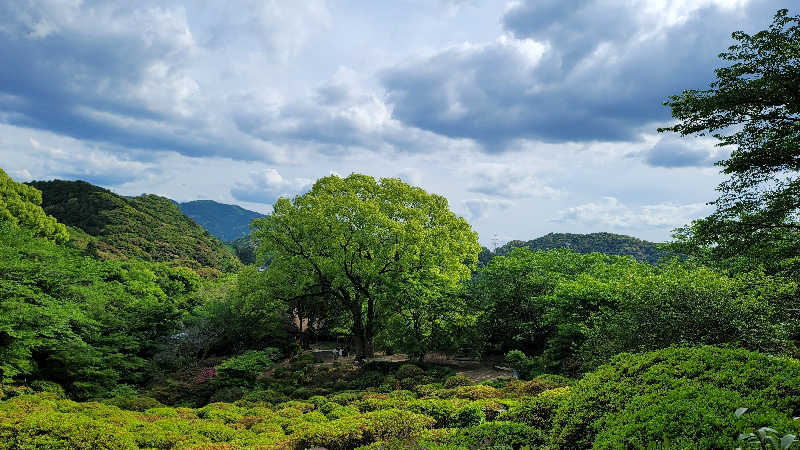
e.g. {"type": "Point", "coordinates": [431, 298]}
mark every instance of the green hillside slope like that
{"type": "Point", "coordinates": [147, 227]}
{"type": "Point", "coordinates": [609, 243]}
{"type": "Point", "coordinates": [226, 222]}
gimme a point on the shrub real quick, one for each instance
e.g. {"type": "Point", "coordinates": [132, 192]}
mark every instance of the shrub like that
{"type": "Point", "coordinates": [468, 416]}
{"type": "Point", "coordinates": [352, 432]}
{"type": "Point", "coordinates": [477, 392]}
{"type": "Point", "coordinates": [161, 412]}
{"type": "Point", "coordinates": [48, 386]}
{"type": "Point", "coordinates": [409, 371]}
{"type": "Point", "coordinates": [457, 380]}
{"type": "Point", "coordinates": [139, 404]}
{"type": "Point", "coordinates": [343, 398]}
{"type": "Point", "coordinates": [338, 412]}
{"type": "Point", "coordinates": [224, 412]}
{"type": "Point", "coordinates": [50, 429]}
{"type": "Point", "coordinates": [530, 388]}
{"type": "Point", "coordinates": [537, 412]}
{"type": "Point", "coordinates": [497, 435]}
{"type": "Point", "coordinates": [402, 395]}
{"type": "Point", "coordinates": [427, 389]}
{"type": "Point", "coordinates": [685, 395]}
{"type": "Point", "coordinates": [295, 404]}
{"type": "Point", "coordinates": [244, 369]}
{"type": "Point", "coordinates": [442, 411]}
{"type": "Point", "coordinates": [264, 395]}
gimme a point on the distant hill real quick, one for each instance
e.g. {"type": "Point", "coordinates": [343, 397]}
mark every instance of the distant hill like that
{"type": "Point", "coordinates": [613, 244]}
{"type": "Point", "coordinates": [147, 227]}
{"type": "Point", "coordinates": [226, 222]}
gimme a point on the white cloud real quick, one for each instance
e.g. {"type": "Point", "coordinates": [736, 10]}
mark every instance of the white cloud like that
{"type": "Point", "coordinates": [504, 180]}
{"type": "Point", "coordinates": [266, 186]}
{"type": "Point", "coordinates": [610, 212]}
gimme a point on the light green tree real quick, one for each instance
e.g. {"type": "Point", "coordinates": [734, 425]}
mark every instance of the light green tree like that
{"type": "Point", "coordinates": [358, 241]}
{"type": "Point", "coordinates": [22, 206]}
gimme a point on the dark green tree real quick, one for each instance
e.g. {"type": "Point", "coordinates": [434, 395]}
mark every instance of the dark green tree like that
{"type": "Point", "coordinates": [753, 107]}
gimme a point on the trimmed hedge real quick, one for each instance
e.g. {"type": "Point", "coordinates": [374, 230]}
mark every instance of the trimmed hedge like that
{"type": "Point", "coordinates": [685, 395]}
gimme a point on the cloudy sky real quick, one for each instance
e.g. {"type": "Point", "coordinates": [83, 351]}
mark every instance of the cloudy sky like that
{"type": "Point", "coordinates": [530, 116]}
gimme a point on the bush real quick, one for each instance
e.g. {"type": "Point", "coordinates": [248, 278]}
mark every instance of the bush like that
{"type": "Point", "coordinates": [244, 369]}
{"type": "Point", "coordinates": [224, 412]}
{"type": "Point", "coordinates": [468, 416]}
{"type": "Point", "coordinates": [352, 432]}
{"type": "Point", "coordinates": [409, 371]}
{"type": "Point", "coordinates": [51, 429]}
{"type": "Point", "coordinates": [497, 435]}
{"type": "Point", "coordinates": [532, 387]}
{"type": "Point", "coordinates": [477, 392]}
{"type": "Point", "coordinates": [264, 395]}
{"type": "Point", "coordinates": [537, 412]}
{"type": "Point", "coordinates": [48, 386]}
{"type": "Point", "coordinates": [442, 411]}
{"type": "Point", "coordinates": [343, 398]}
{"type": "Point", "coordinates": [139, 404]}
{"type": "Point", "coordinates": [685, 395]}
{"type": "Point", "coordinates": [457, 380]}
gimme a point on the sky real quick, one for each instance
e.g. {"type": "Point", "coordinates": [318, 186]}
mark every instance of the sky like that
{"type": "Point", "coordinates": [530, 116]}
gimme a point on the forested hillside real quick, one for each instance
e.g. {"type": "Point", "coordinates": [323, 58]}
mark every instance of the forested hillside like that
{"type": "Point", "coordinates": [608, 243]}
{"type": "Point", "coordinates": [147, 227]}
{"type": "Point", "coordinates": [226, 222]}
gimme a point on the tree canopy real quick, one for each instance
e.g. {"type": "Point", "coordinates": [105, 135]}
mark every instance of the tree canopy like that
{"type": "Point", "coordinates": [22, 206]}
{"type": "Point", "coordinates": [753, 107]}
{"type": "Point", "coordinates": [366, 244]}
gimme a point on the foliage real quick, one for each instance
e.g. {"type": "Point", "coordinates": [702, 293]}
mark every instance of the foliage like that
{"type": "Point", "coordinates": [752, 107]}
{"type": "Point", "coordinates": [83, 323]}
{"type": "Point", "coordinates": [245, 248]}
{"type": "Point", "coordinates": [685, 395]}
{"type": "Point", "coordinates": [370, 246]}
{"type": "Point", "coordinates": [457, 380]}
{"type": "Point", "coordinates": [243, 369]}
{"type": "Point", "coordinates": [572, 312]}
{"type": "Point", "coordinates": [21, 206]}
{"type": "Point", "coordinates": [146, 227]}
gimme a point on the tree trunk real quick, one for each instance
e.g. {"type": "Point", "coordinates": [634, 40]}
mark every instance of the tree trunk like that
{"type": "Point", "coordinates": [361, 339]}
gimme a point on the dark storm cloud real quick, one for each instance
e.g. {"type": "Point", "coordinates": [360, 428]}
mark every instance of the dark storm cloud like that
{"type": "Point", "coordinates": [602, 78]}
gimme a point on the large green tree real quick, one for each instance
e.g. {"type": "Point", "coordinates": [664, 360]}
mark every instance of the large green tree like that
{"type": "Point", "coordinates": [363, 243]}
{"type": "Point", "coordinates": [753, 107]}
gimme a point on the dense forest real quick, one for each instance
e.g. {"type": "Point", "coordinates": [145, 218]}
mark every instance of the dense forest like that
{"type": "Point", "coordinates": [367, 315]}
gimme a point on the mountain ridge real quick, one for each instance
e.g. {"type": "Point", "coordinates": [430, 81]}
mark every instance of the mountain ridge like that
{"type": "Point", "coordinates": [225, 221]}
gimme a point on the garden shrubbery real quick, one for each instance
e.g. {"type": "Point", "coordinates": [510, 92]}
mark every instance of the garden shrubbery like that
{"type": "Point", "coordinates": [686, 396]}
